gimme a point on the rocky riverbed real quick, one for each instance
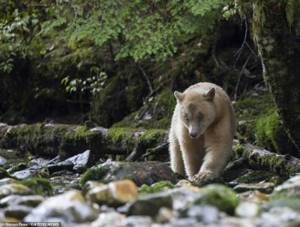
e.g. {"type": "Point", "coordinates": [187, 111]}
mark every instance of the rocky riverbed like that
{"type": "Point", "coordinates": [77, 189]}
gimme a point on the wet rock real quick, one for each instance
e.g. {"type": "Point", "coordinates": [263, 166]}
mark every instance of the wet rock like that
{"type": "Point", "coordinates": [17, 211]}
{"type": "Point", "coordinates": [38, 163]}
{"type": "Point", "coordinates": [80, 161]}
{"type": "Point", "coordinates": [13, 188]}
{"type": "Point", "coordinates": [67, 208]}
{"type": "Point", "coordinates": [204, 214]}
{"type": "Point", "coordinates": [148, 205]}
{"type": "Point", "coordinates": [77, 163]}
{"type": "Point", "coordinates": [293, 203]}
{"type": "Point", "coordinates": [23, 174]}
{"type": "Point", "coordinates": [290, 188]}
{"type": "Point", "coordinates": [247, 210]}
{"type": "Point", "coordinates": [26, 200]}
{"type": "Point", "coordinates": [238, 222]}
{"type": "Point", "coordinates": [114, 193]}
{"type": "Point", "coordinates": [109, 219]}
{"type": "Point", "coordinates": [165, 215]}
{"type": "Point", "coordinates": [190, 222]}
{"type": "Point", "coordinates": [6, 181]}
{"type": "Point", "coordinates": [140, 172]}
{"type": "Point", "coordinates": [63, 181]}
{"type": "Point", "coordinates": [137, 221]}
{"type": "Point", "coordinates": [18, 167]}
{"type": "Point", "coordinates": [3, 161]}
{"type": "Point", "coordinates": [265, 187]}
{"type": "Point", "coordinates": [279, 217]}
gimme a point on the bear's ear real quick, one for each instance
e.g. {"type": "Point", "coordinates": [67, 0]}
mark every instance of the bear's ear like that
{"type": "Point", "coordinates": [210, 94]}
{"type": "Point", "coordinates": [178, 95]}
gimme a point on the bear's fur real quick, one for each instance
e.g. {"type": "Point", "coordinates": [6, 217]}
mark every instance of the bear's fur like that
{"type": "Point", "coordinates": [201, 133]}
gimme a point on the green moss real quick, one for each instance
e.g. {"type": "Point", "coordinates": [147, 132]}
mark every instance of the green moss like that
{"type": "Point", "coordinates": [220, 196]}
{"type": "Point", "coordinates": [117, 135]}
{"type": "Point", "coordinates": [40, 186]}
{"type": "Point", "coordinates": [152, 137]}
{"type": "Point", "coordinates": [270, 133]}
{"type": "Point", "coordinates": [267, 129]}
{"type": "Point", "coordinates": [156, 187]}
{"type": "Point", "coordinates": [94, 173]}
{"type": "Point", "coordinates": [52, 140]}
{"type": "Point", "coordinates": [248, 109]}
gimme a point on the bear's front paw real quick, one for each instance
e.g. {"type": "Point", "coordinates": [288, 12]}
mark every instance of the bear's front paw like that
{"type": "Point", "coordinates": [203, 178]}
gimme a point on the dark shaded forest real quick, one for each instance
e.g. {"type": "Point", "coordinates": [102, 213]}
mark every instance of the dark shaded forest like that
{"type": "Point", "coordinates": [87, 98]}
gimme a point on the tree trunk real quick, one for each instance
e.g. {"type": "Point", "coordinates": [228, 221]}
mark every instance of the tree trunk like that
{"type": "Point", "coordinates": [276, 31]}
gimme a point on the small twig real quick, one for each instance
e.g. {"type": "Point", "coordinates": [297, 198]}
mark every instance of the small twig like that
{"type": "Point", "coordinates": [146, 78]}
{"type": "Point", "coordinates": [159, 148]}
{"type": "Point", "coordinates": [240, 50]}
{"type": "Point", "coordinates": [239, 78]}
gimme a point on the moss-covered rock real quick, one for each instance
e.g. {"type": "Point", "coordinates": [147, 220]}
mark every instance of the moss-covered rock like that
{"type": "Point", "coordinates": [156, 187]}
{"type": "Point", "coordinates": [220, 196]}
{"type": "Point", "coordinates": [40, 186]}
{"type": "Point", "coordinates": [68, 140]}
{"type": "Point", "coordinates": [51, 140]}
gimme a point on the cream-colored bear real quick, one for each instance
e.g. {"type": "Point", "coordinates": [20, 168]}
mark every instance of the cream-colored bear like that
{"type": "Point", "coordinates": [201, 133]}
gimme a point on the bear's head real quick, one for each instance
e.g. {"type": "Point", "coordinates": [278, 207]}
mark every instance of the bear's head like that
{"type": "Point", "coordinates": [197, 110]}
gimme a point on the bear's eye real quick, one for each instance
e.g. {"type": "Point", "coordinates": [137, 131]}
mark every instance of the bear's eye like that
{"type": "Point", "coordinates": [186, 117]}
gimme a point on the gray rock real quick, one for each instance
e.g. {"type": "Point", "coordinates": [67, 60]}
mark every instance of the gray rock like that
{"type": "Point", "coordinates": [23, 174]}
{"type": "Point", "coordinates": [77, 163]}
{"type": "Point", "coordinates": [140, 172]}
{"type": "Point", "coordinates": [5, 181]}
{"type": "Point", "coordinates": [114, 193]}
{"type": "Point", "coordinates": [190, 222]}
{"type": "Point", "coordinates": [26, 200]}
{"type": "Point", "coordinates": [248, 210]}
{"type": "Point", "coordinates": [3, 161]}
{"type": "Point", "coordinates": [291, 187]}
{"type": "Point", "coordinates": [137, 221]}
{"type": "Point", "coordinates": [17, 211]}
{"type": "Point", "coordinates": [13, 188]}
{"type": "Point", "coordinates": [279, 217]}
{"type": "Point", "coordinates": [109, 219]}
{"type": "Point", "coordinates": [67, 208]}
{"type": "Point", "coordinates": [204, 214]}
{"type": "Point", "coordinates": [148, 205]}
{"type": "Point", "coordinates": [80, 161]}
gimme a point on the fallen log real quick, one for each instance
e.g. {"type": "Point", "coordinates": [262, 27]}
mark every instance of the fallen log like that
{"type": "Point", "coordinates": [259, 158]}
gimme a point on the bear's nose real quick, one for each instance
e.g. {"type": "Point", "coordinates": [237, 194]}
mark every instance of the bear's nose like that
{"type": "Point", "coordinates": [193, 135]}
